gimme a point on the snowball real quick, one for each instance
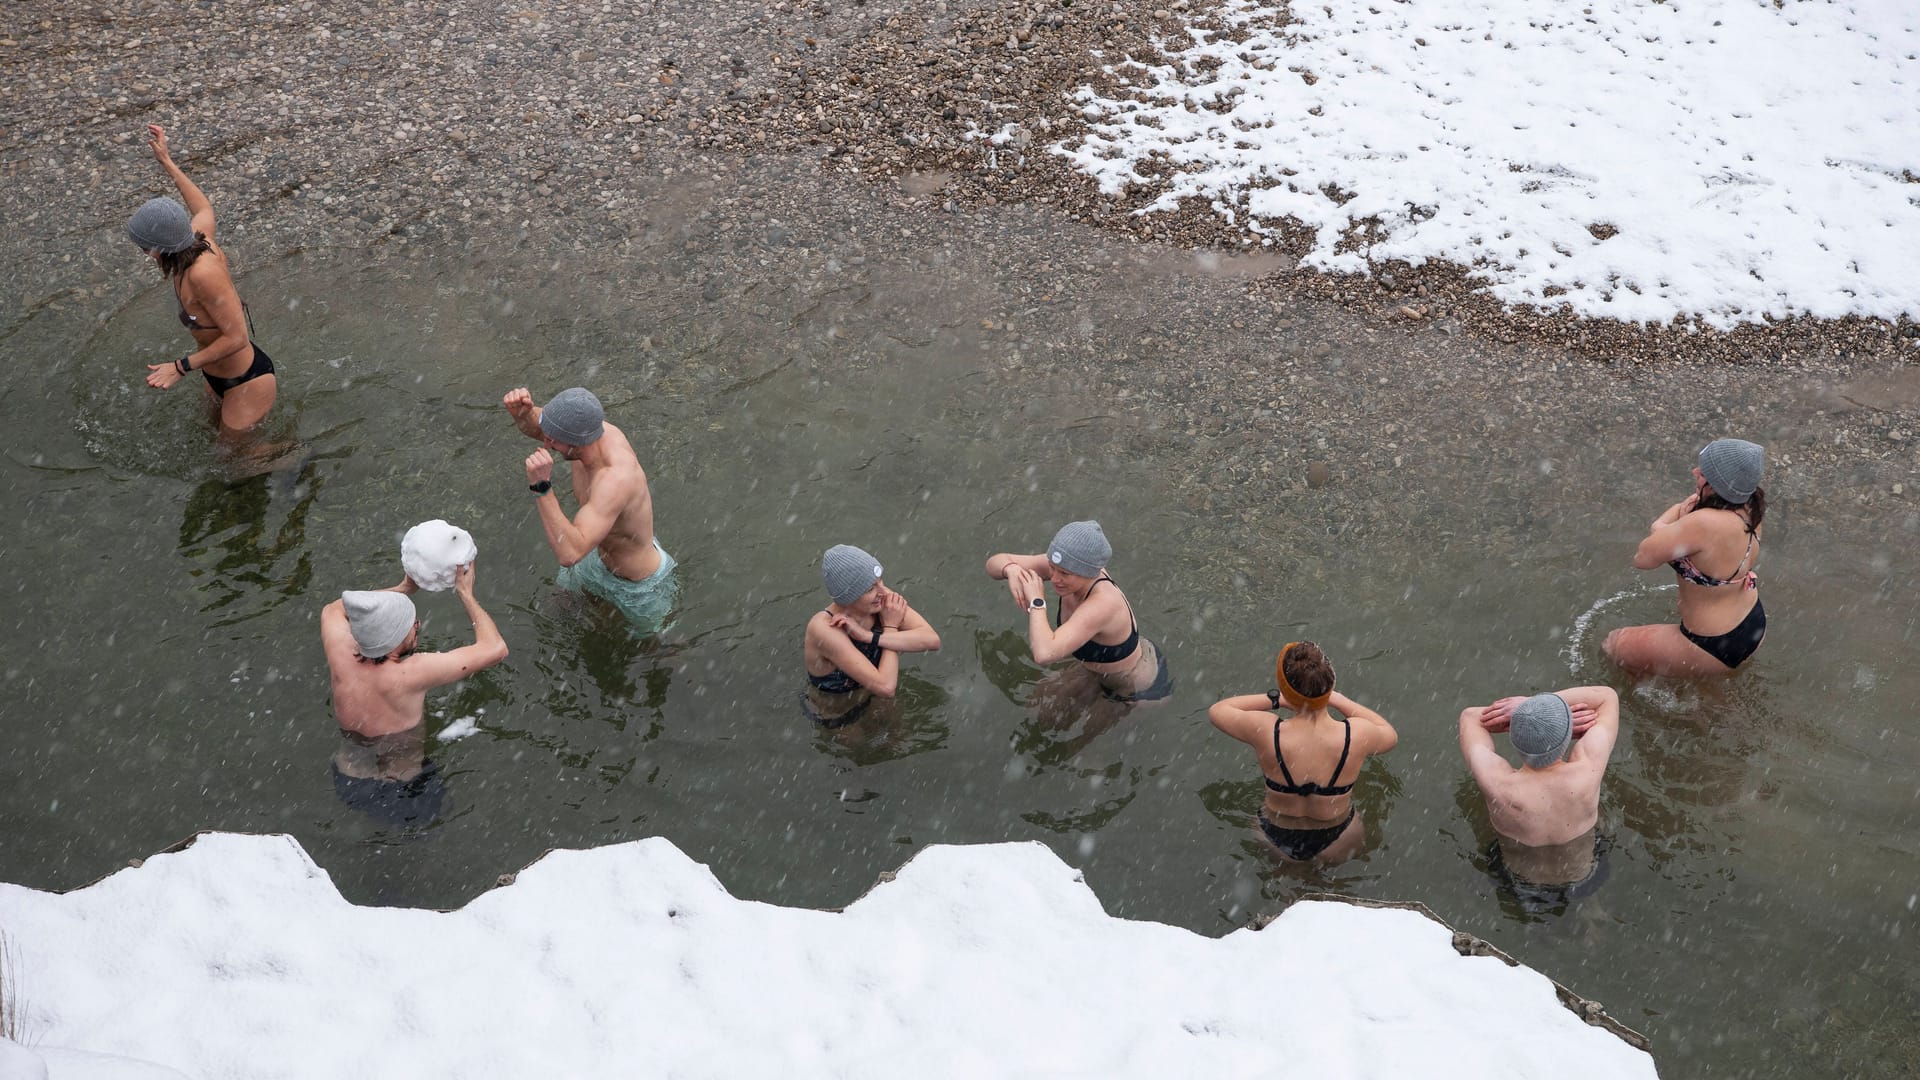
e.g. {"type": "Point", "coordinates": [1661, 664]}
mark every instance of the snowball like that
{"type": "Point", "coordinates": [432, 551]}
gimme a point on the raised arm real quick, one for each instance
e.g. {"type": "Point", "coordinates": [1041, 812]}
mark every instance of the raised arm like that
{"type": "Point", "coordinates": [1240, 716]}
{"type": "Point", "coordinates": [1382, 736]}
{"type": "Point", "coordinates": [571, 539]}
{"type": "Point", "coordinates": [1047, 644]}
{"type": "Point", "coordinates": [903, 628]}
{"type": "Point", "coordinates": [526, 415]}
{"type": "Point", "coordinates": [1476, 746]}
{"type": "Point", "coordinates": [997, 565]}
{"type": "Point", "coordinates": [1669, 537]}
{"type": "Point", "coordinates": [1596, 742]}
{"type": "Point", "coordinates": [428, 670]}
{"type": "Point", "coordinates": [198, 207]}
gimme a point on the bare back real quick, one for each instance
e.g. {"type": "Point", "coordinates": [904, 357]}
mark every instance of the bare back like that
{"type": "Point", "coordinates": [1313, 748]}
{"type": "Point", "coordinates": [1543, 807]}
{"type": "Point", "coordinates": [1723, 552]}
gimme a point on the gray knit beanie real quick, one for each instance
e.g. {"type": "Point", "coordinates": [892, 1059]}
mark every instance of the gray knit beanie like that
{"type": "Point", "coordinates": [1732, 468]}
{"type": "Point", "coordinates": [161, 224]}
{"type": "Point", "coordinates": [848, 572]}
{"type": "Point", "coordinates": [573, 417]}
{"type": "Point", "coordinates": [1080, 548]}
{"type": "Point", "coordinates": [380, 621]}
{"type": "Point", "coordinates": [1542, 729]}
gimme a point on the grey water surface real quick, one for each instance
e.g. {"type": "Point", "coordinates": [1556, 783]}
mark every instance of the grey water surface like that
{"type": "Point", "coordinates": [162, 669]}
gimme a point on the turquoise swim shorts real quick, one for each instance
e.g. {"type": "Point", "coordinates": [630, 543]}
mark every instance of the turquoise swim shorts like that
{"type": "Point", "coordinates": [646, 604]}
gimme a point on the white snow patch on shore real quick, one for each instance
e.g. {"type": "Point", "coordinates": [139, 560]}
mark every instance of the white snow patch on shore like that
{"type": "Point", "coordinates": [237, 958]}
{"type": "Point", "coordinates": [1756, 160]}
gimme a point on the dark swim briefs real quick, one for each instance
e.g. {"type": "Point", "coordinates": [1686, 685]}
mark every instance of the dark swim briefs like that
{"type": "Point", "coordinates": [1733, 647]}
{"type": "Point", "coordinates": [396, 802]}
{"type": "Point", "coordinates": [262, 365]}
{"type": "Point", "coordinates": [1301, 845]}
{"type": "Point", "coordinates": [1550, 899]}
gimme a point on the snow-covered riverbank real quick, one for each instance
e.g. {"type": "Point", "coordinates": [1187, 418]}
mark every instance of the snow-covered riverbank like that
{"type": "Point", "coordinates": [235, 957]}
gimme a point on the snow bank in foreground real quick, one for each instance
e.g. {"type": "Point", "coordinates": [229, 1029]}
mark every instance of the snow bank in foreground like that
{"type": "Point", "coordinates": [236, 958]}
{"type": "Point", "coordinates": [1755, 160]}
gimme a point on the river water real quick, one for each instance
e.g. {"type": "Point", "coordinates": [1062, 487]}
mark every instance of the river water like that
{"type": "Point", "coordinates": [936, 402]}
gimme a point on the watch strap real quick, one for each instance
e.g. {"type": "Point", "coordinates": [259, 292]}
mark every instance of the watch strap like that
{"type": "Point", "coordinates": [541, 488]}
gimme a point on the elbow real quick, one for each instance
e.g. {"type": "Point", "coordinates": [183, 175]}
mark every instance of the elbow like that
{"type": "Point", "coordinates": [885, 689]}
{"type": "Point", "coordinates": [498, 655]}
{"type": "Point", "coordinates": [1217, 717]}
{"type": "Point", "coordinates": [569, 557]}
{"type": "Point", "coordinates": [934, 645]}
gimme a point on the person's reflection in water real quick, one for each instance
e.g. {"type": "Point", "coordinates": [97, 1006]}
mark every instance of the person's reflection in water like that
{"type": "Point", "coordinates": [230, 518]}
{"type": "Point", "coordinates": [879, 729]}
{"type": "Point", "coordinates": [1068, 707]}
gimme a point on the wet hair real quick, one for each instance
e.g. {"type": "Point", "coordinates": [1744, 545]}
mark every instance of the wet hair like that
{"type": "Point", "coordinates": [1756, 506]}
{"type": "Point", "coordinates": [1308, 670]}
{"type": "Point", "coordinates": [175, 263]}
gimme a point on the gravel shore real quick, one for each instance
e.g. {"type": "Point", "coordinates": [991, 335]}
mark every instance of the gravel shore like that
{"type": "Point", "coordinates": [569, 128]}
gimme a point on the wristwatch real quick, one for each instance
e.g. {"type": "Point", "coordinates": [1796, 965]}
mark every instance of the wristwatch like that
{"type": "Point", "coordinates": [1274, 696]}
{"type": "Point", "coordinates": [1038, 603]}
{"type": "Point", "coordinates": [541, 488]}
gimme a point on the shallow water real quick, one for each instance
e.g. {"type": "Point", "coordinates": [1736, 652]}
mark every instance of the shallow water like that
{"type": "Point", "coordinates": [164, 670]}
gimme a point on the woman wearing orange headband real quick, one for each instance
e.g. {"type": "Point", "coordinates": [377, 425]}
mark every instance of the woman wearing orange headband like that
{"type": "Point", "coordinates": [1296, 734]}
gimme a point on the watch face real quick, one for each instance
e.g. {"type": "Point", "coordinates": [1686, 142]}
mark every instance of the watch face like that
{"type": "Point", "coordinates": [1037, 602]}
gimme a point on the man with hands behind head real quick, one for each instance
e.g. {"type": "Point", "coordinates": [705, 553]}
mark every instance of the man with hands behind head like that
{"type": "Point", "coordinates": [1545, 811]}
{"type": "Point", "coordinates": [608, 547]}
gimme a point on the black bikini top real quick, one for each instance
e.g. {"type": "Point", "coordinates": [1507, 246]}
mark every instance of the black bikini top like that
{"type": "Point", "coordinates": [839, 682]}
{"type": "Point", "coordinates": [1092, 652]}
{"type": "Point", "coordinates": [1310, 788]}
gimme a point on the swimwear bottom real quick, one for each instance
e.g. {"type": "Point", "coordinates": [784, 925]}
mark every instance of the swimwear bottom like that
{"type": "Point", "coordinates": [396, 802]}
{"type": "Point", "coordinates": [646, 604]}
{"type": "Point", "coordinates": [262, 365]}
{"type": "Point", "coordinates": [1551, 899]}
{"type": "Point", "coordinates": [830, 710]}
{"type": "Point", "coordinates": [1733, 647]}
{"type": "Point", "coordinates": [1160, 687]}
{"type": "Point", "coordinates": [1303, 844]}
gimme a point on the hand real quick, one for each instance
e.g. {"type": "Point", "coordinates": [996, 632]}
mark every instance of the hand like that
{"type": "Point", "coordinates": [463, 580]}
{"type": "Point", "coordinates": [539, 466]}
{"type": "Point", "coordinates": [157, 142]}
{"type": "Point", "coordinates": [1499, 715]}
{"type": "Point", "coordinates": [893, 610]}
{"type": "Point", "coordinates": [854, 631]}
{"type": "Point", "coordinates": [519, 404]}
{"type": "Point", "coordinates": [1583, 718]}
{"type": "Point", "coordinates": [1025, 585]}
{"type": "Point", "coordinates": [407, 585]}
{"type": "Point", "coordinates": [163, 376]}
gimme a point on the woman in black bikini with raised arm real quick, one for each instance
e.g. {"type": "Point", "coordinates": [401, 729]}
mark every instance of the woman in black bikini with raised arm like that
{"type": "Point", "coordinates": [1095, 625]}
{"type": "Point", "coordinates": [1711, 539]}
{"type": "Point", "coordinates": [1309, 756]}
{"type": "Point", "coordinates": [240, 379]}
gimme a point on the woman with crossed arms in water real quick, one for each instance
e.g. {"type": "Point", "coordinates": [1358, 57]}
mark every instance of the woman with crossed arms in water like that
{"type": "Point", "coordinates": [1096, 624]}
{"type": "Point", "coordinates": [1714, 531]}
{"type": "Point", "coordinates": [852, 648]}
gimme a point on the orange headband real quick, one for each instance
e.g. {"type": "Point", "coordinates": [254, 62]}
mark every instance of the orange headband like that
{"type": "Point", "coordinates": [1294, 697]}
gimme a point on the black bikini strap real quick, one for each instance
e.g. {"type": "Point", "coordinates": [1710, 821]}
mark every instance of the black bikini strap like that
{"type": "Point", "coordinates": [1344, 747]}
{"type": "Point", "coordinates": [1279, 757]}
